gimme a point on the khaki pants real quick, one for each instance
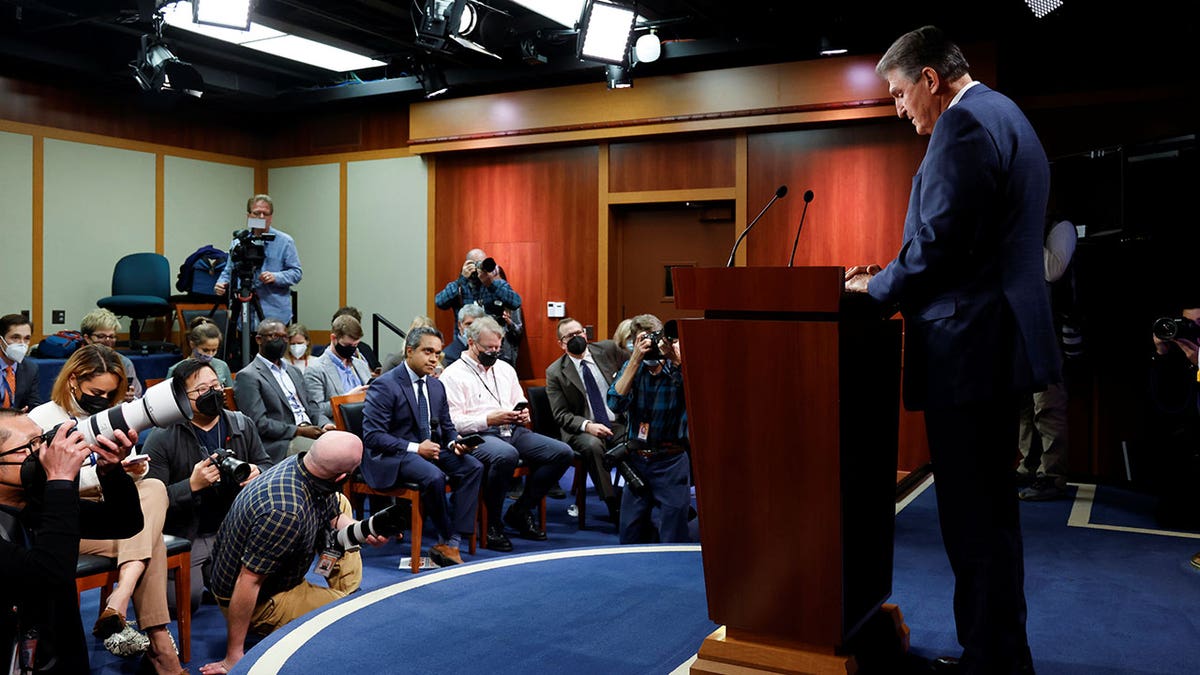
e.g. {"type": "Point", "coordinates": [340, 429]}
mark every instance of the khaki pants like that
{"type": "Point", "coordinates": [279, 609]}
{"type": "Point", "coordinates": [150, 594]}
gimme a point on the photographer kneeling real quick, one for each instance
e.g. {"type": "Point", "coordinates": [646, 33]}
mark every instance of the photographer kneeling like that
{"type": "Point", "coordinates": [204, 463]}
{"type": "Point", "coordinates": [277, 525]}
{"type": "Point", "coordinates": [43, 517]}
{"type": "Point", "coordinates": [649, 391]}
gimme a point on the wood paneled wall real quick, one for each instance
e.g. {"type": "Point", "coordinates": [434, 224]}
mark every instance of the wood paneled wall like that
{"type": "Point", "coordinates": [535, 212]}
{"type": "Point", "coordinates": [671, 164]}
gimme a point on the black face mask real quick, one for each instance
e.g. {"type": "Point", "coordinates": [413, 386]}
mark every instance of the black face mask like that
{"type": "Point", "coordinates": [488, 359]}
{"type": "Point", "coordinates": [324, 486]}
{"type": "Point", "coordinates": [577, 345]}
{"type": "Point", "coordinates": [272, 350]}
{"type": "Point", "coordinates": [345, 351]}
{"type": "Point", "coordinates": [210, 403]}
{"type": "Point", "coordinates": [92, 404]}
{"type": "Point", "coordinates": [33, 477]}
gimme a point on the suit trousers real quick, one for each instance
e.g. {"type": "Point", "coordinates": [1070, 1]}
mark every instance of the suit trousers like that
{"type": "Point", "coordinates": [465, 474]}
{"type": "Point", "coordinates": [1045, 411]}
{"type": "Point", "coordinates": [591, 451]}
{"type": "Point", "coordinates": [668, 488]}
{"type": "Point", "coordinates": [547, 458]}
{"type": "Point", "coordinates": [971, 449]}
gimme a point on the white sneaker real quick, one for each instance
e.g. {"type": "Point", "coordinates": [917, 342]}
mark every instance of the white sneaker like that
{"type": "Point", "coordinates": [573, 511]}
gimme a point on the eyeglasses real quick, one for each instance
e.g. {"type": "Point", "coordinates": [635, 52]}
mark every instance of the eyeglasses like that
{"type": "Point", "coordinates": [35, 444]}
{"type": "Point", "coordinates": [568, 336]}
{"type": "Point", "coordinates": [101, 337]}
{"type": "Point", "coordinates": [202, 389]}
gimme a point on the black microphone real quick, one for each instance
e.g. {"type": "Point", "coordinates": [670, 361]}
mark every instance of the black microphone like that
{"type": "Point", "coordinates": [808, 195]}
{"type": "Point", "coordinates": [780, 193]}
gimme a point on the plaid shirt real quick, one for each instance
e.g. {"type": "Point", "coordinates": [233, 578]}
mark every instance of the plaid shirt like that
{"type": "Point", "coordinates": [655, 399]}
{"type": "Point", "coordinates": [462, 292]}
{"type": "Point", "coordinates": [274, 528]}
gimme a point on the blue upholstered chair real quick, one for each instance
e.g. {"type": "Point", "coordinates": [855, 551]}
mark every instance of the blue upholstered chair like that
{"type": "Point", "coordinates": [141, 288]}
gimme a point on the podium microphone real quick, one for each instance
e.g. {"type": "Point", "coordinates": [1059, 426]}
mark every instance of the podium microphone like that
{"type": "Point", "coordinates": [780, 193]}
{"type": "Point", "coordinates": [808, 195]}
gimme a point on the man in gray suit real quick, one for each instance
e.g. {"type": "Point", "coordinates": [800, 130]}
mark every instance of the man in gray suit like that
{"type": "Point", "coordinates": [272, 393]}
{"type": "Point", "coordinates": [340, 369]}
{"type": "Point", "coordinates": [589, 428]}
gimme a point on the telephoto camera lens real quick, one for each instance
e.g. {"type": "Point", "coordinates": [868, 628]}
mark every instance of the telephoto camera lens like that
{"type": "Point", "coordinates": [231, 467]}
{"type": "Point", "coordinates": [387, 523]}
{"type": "Point", "coordinates": [616, 457]}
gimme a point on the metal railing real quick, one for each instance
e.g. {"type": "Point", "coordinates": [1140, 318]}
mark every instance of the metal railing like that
{"type": "Point", "coordinates": [377, 319]}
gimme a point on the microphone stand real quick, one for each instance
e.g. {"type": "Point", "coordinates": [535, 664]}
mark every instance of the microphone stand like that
{"type": "Point", "coordinates": [779, 193]}
{"type": "Point", "coordinates": [808, 197]}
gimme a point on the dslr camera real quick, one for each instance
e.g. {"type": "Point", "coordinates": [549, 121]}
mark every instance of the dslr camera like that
{"type": "Point", "coordinates": [670, 331]}
{"type": "Point", "coordinates": [232, 469]}
{"type": "Point", "coordinates": [1168, 328]}
{"type": "Point", "coordinates": [387, 523]}
{"type": "Point", "coordinates": [618, 456]}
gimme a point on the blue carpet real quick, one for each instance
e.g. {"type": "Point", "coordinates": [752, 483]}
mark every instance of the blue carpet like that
{"type": "Point", "coordinates": [629, 610]}
{"type": "Point", "coordinates": [1100, 602]}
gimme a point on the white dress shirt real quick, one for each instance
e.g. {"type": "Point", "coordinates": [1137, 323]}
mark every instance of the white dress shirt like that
{"type": "Point", "coordinates": [473, 392]}
{"type": "Point", "coordinates": [289, 390]}
{"type": "Point", "coordinates": [588, 362]}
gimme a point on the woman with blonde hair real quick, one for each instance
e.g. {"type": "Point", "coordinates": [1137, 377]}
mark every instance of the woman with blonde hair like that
{"type": "Point", "coordinates": [299, 347]}
{"type": "Point", "coordinates": [92, 381]}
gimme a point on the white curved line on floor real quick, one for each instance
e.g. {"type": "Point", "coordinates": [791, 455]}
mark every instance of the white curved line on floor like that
{"type": "Point", "coordinates": [277, 655]}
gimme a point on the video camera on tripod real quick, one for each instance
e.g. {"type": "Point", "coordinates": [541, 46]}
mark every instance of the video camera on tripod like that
{"type": "Point", "coordinates": [246, 258]}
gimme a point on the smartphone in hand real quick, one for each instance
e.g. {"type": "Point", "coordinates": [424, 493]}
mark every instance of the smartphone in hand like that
{"type": "Point", "coordinates": [520, 406]}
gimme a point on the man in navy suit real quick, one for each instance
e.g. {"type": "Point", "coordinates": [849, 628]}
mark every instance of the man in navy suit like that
{"type": "Point", "coordinates": [18, 379]}
{"type": "Point", "coordinates": [409, 438]}
{"type": "Point", "coordinates": [978, 331]}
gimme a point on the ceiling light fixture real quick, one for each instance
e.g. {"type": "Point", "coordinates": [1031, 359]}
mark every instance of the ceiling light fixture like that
{"type": "Point", "coordinates": [233, 14]}
{"type": "Point", "coordinates": [605, 30]}
{"type": "Point", "coordinates": [446, 23]}
{"type": "Point", "coordinates": [1041, 8]}
{"type": "Point", "coordinates": [157, 69]}
{"type": "Point", "coordinates": [648, 48]}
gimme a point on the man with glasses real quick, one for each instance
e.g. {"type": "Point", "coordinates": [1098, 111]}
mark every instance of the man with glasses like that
{"type": "Point", "coordinates": [100, 326]}
{"type": "Point", "coordinates": [18, 383]}
{"type": "Point", "coordinates": [271, 392]}
{"type": "Point", "coordinates": [43, 519]}
{"type": "Point", "coordinates": [577, 385]}
{"type": "Point", "coordinates": [187, 457]}
{"type": "Point", "coordinates": [280, 270]}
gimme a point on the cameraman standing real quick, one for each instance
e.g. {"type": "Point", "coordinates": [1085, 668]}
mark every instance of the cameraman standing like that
{"type": "Point", "coordinates": [479, 282]}
{"type": "Point", "coordinates": [191, 458]}
{"type": "Point", "coordinates": [1175, 428]}
{"type": "Point", "coordinates": [280, 269]}
{"type": "Point", "coordinates": [649, 392]}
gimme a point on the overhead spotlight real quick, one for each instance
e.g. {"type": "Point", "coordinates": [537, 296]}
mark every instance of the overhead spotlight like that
{"type": "Point", "coordinates": [432, 80]}
{"type": "Point", "coordinates": [1041, 8]}
{"type": "Point", "coordinates": [618, 77]}
{"type": "Point", "coordinates": [830, 48]}
{"type": "Point", "coordinates": [648, 48]}
{"type": "Point", "coordinates": [157, 69]}
{"type": "Point", "coordinates": [605, 30]}
{"type": "Point", "coordinates": [224, 13]}
{"type": "Point", "coordinates": [447, 24]}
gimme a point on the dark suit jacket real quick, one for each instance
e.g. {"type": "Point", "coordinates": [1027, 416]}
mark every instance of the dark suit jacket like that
{"type": "Point", "coordinates": [260, 398]}
{"type": "Point", "coordinates": [26, 393]}
{"type": "Point", "coordinates": [564, 387]}
{"type": "Point", "coordinates": [390, 423]}
{"type": "Point", "coordinates": [969, 277]}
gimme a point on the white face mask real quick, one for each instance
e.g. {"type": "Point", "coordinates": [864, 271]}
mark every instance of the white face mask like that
{"type": "Point", "coordinates": [298, 350]}
{"type": "Point", "coordinates": [15, 353]}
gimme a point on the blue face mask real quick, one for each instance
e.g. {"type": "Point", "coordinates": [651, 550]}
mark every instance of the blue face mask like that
{"type": "Point", "coordinates": [202, 357]}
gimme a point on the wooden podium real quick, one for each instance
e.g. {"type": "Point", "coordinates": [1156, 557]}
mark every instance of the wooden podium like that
{"type": "Point", "coordinates": [792, 393]}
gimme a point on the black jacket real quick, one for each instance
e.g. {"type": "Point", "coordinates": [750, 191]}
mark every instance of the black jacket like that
{"type": "Point", "coordinates": [38, 559]}
{"type": "Point", "coordinates": [174, 451]}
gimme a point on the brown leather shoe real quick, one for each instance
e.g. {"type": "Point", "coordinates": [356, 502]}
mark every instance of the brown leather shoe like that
{"type": "Point", "coordinates": [444, 555]}
{"type": "Point", "coordinates": [108, 624]}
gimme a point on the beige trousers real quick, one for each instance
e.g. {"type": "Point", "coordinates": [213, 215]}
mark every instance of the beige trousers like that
{"type": "Point", "coordinates": [150, 594]}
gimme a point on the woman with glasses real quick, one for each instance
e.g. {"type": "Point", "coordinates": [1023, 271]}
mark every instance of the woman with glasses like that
{"type": "Point", "coordinates": [100, 327]}
{"type": "Point", "coordinates": [204, 339]}
{"type": "Point", "coordinates": [92, 381]}
{"type": "Point", "coordinates": [193, 458]}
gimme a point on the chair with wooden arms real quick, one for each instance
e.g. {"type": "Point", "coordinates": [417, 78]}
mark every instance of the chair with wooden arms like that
{"type": "Point", "coordinates": [348, 416]}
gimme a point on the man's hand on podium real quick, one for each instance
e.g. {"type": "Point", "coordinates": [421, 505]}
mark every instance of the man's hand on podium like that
{"type": "Point", "coordinates": [858, 277]}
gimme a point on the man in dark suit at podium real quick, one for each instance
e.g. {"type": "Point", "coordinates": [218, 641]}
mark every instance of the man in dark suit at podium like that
{"type": "Point", "coordinates": [978, 331]}
{"type": "Point", "coordinates": [579, 404]}
{"type": "Point", "coordinates": [408, 436]}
